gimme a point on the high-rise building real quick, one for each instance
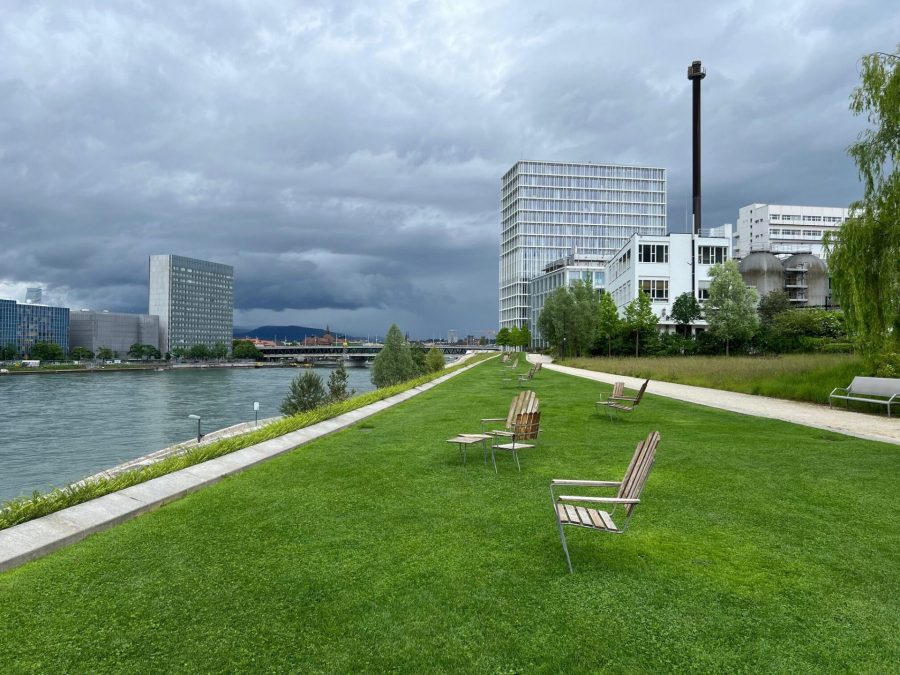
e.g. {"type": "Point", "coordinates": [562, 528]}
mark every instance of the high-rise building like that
{"type": "Point", "coordinates": [550, 210]}
{"type": "Point", "coordinates": [24, 325]}
{"type": "Point", "coordinates": [113, 330]}
{"type": "Point", "coordinates": [451, 337]}
{"type": "Point", "coordinates": [194, 300]}
{"type": "Point", "coordinates": [33, 296]}
{"type": "Point", "coordinates": [778, 229]}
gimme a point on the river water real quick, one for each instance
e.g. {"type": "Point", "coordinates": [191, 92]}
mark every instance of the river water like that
{"type": "Point", "coordinates": [56, 429]}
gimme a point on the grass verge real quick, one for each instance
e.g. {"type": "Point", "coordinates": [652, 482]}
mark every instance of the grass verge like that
{"type": "Point", "coordinates": [797, 377]}
{"type": "Point", "coordinates": [23, 509]}
{"type": "Point", "coordinates": [759, 546]}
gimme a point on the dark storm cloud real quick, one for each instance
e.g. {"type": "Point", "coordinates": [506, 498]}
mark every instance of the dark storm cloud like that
{"type": "Point", "coordinates": [345, 157]}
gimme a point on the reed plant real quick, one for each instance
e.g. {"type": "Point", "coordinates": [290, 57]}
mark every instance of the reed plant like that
{"type": "Point", "coordinates": [798, 377]}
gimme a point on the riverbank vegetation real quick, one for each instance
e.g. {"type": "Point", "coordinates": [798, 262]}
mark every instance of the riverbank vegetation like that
{"type": "Point", "coordinates": [757, 543]}
{"type": "Point", "coordinates": [798, 377]}
{"type": "Point", "coordinates": [23, 509]}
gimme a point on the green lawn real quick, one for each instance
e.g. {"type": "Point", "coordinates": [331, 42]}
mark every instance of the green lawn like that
{"type": "Point", "coordinates": [759, 546]}
{"type": "Point", "coordinates": [798, 377]}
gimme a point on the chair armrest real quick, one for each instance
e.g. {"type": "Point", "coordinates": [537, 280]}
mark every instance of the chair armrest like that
{"type": "Point", "coordinates": [493, 419]}
{"type": "Point", "coordinates": [623, 398]}
{"type": "Point", "coordinates": [598, 500]}
{"type": "Point", "coordinates": [586, 483]}
{"type": "Point", "coordinates": [843, 389]}
{"type": "Point", "coordinates": [501, 432]}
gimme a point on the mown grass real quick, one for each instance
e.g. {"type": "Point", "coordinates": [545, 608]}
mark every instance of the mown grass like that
{"type": "Point", "coordinates": [759, 546]}
{"type": "Point", "coordinates": [23, 509]}
{"type": "Point", "coordinates": [798, 377]}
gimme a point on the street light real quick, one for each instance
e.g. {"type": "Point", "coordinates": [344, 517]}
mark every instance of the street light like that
{"type": "Point", "coordinates": [197, 417]}
{"type": "Point", "coordinates": [256, 412]}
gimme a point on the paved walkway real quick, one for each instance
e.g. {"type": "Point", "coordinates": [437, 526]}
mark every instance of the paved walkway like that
{"type": "Point", "coordinates": [871, 427]}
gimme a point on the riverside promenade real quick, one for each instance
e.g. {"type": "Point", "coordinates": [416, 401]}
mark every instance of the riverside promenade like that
{"type": "Point", "coordinates": [861, 425]}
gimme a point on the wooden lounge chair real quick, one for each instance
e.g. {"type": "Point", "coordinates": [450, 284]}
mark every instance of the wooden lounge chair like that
{"type": "Point", "coordinates": [618, 391]}
{"type": "Point", "coordinates": [534, 370]}
{"type": "Point", "coordinates": [514, 364]}
{"type": "Point", "coordinates": [627, 496]}
{"type": "Point", "coordinates": [523, 403]}
{"type": "Point", "coordinates": [504, 358]}
{"type": "Point", "coordinates": [526, 428]}
{"type": "Point", "coordinates": [624, 403]}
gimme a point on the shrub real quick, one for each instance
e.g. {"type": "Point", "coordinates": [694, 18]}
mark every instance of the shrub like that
{"type": "Point", "coordinates": [306, 393]}
{"type": "Point", "coordinates": [434, 360]}
{"type": "Point", "coordinates": [337, 385]}
{"type": "Point", "coordinates": [394, 363]}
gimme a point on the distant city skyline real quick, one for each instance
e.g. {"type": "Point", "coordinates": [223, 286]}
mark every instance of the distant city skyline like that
{"type": "Point", "coordinates": [346, 158]}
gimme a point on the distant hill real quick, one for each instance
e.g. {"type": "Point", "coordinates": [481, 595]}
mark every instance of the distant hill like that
{"type": "Point", "coordinates": [290, 333]}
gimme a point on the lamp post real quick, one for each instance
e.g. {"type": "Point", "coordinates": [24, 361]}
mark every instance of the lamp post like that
{"type": "Point", "coordinates": [256, 413]}
{"type": "Point", "coordinates": [197, 417]}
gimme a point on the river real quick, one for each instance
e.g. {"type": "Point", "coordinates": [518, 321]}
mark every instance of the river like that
{"type": "Point", "coordinates": [56, 429]}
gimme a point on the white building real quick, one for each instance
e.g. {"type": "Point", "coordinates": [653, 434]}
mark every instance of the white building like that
{"type": "Point", "coordinates": [549, 209]}
{"type": "Point", "coordinates": [661, 267]}
{"type": "Point", "coordinates": [451, 337]}
{"type": "Point", "coordinates": [194, 300]}
{"type": "Point", "coordinates": [563, 272]}
{"type": "Point", "coordinates": [785, 229]}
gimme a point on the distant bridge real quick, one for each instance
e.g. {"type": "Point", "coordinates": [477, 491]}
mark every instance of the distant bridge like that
{"type": "Point", "coordinates": [352, 352]}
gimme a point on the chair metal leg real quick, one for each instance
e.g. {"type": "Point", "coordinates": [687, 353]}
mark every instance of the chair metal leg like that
{"type": "Point", "coordinates": [516, 455]}
{"type": "Point", "coordinates": [493, 459]}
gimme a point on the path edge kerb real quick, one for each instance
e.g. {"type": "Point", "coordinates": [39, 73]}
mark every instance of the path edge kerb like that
{"type": "Point", "coordinates": [36, 538]}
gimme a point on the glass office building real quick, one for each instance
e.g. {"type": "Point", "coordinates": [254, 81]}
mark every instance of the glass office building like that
{"type": "Point", "coordinates": [26, 325]}
{"type": "Point", "coordinates": [550, 210]}
{"type": "Point", "coordinates": [194, 300]}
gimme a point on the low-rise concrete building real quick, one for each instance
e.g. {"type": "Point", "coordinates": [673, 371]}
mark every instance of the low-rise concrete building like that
{"type": "Point", "coordinates": [114, 330]}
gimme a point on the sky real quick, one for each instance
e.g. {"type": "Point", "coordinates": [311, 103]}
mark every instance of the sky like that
{"type": "Point", "coordinates": [345, 156]}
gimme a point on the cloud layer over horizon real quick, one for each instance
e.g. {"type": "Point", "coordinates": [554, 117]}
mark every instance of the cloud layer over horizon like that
{"type": "Point", "coordinates": [346, 157]}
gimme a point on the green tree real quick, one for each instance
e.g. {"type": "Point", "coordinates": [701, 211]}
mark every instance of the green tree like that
{"type": "Point", "coordinates": [417, 352]}
{"type": "Point", "coordinates": [105, 354]}
{"type": "Point", "coordinates": [47, 351]}
{"type": "Point", "coordinates": [219, 350]}
{"type": "Point", "coordinates": [9, 352]}
{"type": "Point", "coordinates": [199, 351]}
{"type": "Point", "coordinates": [771, 305]}
{"type": "Point", "coordinates": [609, 325]}
{"type": "Point", "coordinates": [863, 254]}
{"type": "Point", "coordinates": [337, 385]}
{"type": "Point", "coordinates": [587, 313]}
{"type": "Point", "coordinates": [152, 352]}
{"type": "Point", "coordinates": [178, 352]}
{"type": "Point", "coordinates": [136, 351]}
{"type": "Point", "coordinates": [557, 321]}
{"type": "Point", "coordinates": [394, 363]}
{"type": "Point", "coordinates": [515, 337]}
{"type": "Point", "coordinates": [244, 349]}
{"type": "Point", "coordinates": [434, 360]}
{"type": "Point", "coordinates": [524, 337]}
{"type": "Point", "coordinates": [640, 318]}
{"type": "Point", "coordinates": [306, 393]}
{"type": "Point", "coordinates": [685, 310]}
{"type": "Point", "coordinates": [502, 338]}
{"type": "Point", "coordinates": [82, 354]}
{"type": "Point", "coordinates": [731, 308]}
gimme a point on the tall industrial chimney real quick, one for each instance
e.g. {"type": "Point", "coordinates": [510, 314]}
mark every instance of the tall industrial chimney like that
{"type": "Point", "coordinates": [696, 72]}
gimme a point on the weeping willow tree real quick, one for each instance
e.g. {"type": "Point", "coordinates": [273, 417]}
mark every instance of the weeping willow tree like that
{"type": "Point", "coordinates": [864, 256]}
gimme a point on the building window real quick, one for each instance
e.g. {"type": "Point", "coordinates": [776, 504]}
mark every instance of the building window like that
{"type": "Point", "coordinates": [657, 289]}
{"type": "Point", "coordinates": [653, 253]}
{"type": "Point", "coordinates": [710, 255]}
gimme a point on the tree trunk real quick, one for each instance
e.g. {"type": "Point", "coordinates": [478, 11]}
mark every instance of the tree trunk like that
{"type": "Point", "coordinates": [609, 347]}
{"type": "Point", "coordinates": [637, 339]}
{"type": "Point", "coordinates": [726, 347]}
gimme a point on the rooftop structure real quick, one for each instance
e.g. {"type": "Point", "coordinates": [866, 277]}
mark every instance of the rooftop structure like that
{"type": "Point", "coordinates": [781, 229]}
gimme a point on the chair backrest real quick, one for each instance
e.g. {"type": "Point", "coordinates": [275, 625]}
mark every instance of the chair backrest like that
{"type": "Point", "coordinates": [526, 402]}
{"type": "Point", "coordinates": [527, 426]}
{"type": "Point", "coordinates": [504, 358]}
{"type": "Point", "coordinates": [537, 367]}
{"type": "Point", "coordinates": [641, 392]}
{"type": "Point", "coordinates": [639, 469]}
{"type": "Point", "coordinates": [618, 390]}
{"type": "Point", "coordinates": [875, 386]}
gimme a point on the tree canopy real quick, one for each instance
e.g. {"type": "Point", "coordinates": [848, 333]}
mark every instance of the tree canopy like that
{"type": "Point", "coordinates": [685, 310]}
{"type": "Point", "coordinates": [863, 255]}
{"type": "Point", "coordinates": [609, 325]}
{"type": "Point", "coordinates": [394, 363]}
{"type": "Point", "coordinates": [244, 349]}
{"type": "Point", "coordinates": [306, 393]}
{"type": "Point", "coordinates": [731, 308]}
{"type": "Point", "coordinates": [640, 318]}
{"type": "Point", "coordinates": [568, 321]}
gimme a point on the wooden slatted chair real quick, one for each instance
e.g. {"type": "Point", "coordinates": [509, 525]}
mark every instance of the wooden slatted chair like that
{"type": "Point", "coordinates": [618, 391]}
{"type": "Point", "coordinates": [527, 427]}
{"type": "Point", "coordinates": [625, 403]}
{"type": "Point", "coordinates": [514, 364]}
{"type": "Point", "coordinates": [525, 402]}
{"type": "Point", "coordinates": [534, 370]}
{"type": "Point", "coordinates": [504, 358]}
{"type": "Point", "coordinates": [627, 497]}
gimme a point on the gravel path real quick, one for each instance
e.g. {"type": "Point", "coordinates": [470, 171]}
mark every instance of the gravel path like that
{"type": "Point", "coordinates": [862, 425]}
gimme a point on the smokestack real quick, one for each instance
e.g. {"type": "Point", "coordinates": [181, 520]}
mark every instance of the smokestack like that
{"type": "Point", "coordinates": [696, 72]}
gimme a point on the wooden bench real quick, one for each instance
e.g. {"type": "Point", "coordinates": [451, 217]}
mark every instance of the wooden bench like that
{"type": "Point", "coordinates": [624, 403]}
{"type": "Point", "coordinates": [881, 390]}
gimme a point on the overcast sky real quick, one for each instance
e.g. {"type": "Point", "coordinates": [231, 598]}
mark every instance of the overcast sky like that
{"type": "Point", "coordinates": [346, 156]}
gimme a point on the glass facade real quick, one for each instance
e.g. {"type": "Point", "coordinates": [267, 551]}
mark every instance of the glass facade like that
{"type": "Point", "coordinates": [194, 300]}
{"type": "Point", "coordinates": [550, 209]}
{"type": "Point", "coordinates": [25, 325]}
